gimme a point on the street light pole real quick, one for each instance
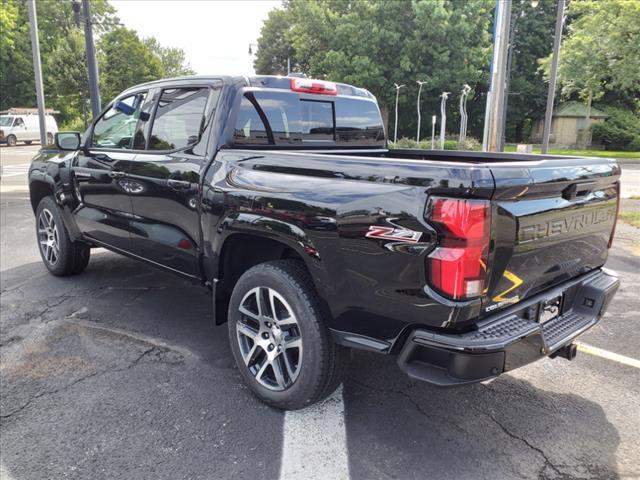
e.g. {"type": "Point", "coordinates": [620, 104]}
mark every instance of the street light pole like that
{"type": "Point", "coordinates": [433, 132]}
{"type": "Point", "coordinates": [418, 105]}
{"type": "Point", "coordinates": [395, 131]}
{"type": "Point", "coordinates": [37, 68]}
{"type": "Point", "coordinates": [443, 117]}
{"type": "Point", "coordinates": [463, 113]}
{"type": "Point", "coordinates": [552, 78]}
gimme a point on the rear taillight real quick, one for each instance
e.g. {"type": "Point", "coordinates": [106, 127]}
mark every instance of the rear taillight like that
{"type": "Point", "coordinates": [307, 85]}
{"type": "Point", "coordinates": [457, 268]}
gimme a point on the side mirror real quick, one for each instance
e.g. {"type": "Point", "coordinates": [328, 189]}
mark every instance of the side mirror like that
{"type": "Point", "coordinates": [67, 140]}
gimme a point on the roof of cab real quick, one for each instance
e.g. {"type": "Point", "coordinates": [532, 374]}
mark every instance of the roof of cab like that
{"type": "Point", "coordinates": [265, 81]}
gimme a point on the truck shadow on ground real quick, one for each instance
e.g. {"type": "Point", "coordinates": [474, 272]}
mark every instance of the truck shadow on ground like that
{"type": "Point", "coordinates": [396, 428]}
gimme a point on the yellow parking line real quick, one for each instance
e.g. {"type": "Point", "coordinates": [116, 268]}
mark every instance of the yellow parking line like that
{"type": "Point", "coordinates": [599, 352]}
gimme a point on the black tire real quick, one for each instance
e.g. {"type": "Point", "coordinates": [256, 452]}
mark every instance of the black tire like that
{"type": "Point", "coordinates": [12, 141]}
{"type": "Point", "coordinates": [59, 254]}
{"type": "Point", "coordinates": [320, 360]}
{"type": "Point", "coordinates": [28, 142]}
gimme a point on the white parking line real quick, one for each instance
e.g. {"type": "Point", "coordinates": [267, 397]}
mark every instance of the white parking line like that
{"type": "Point", "coordinates": [599, 352]}
{"type": "Point", "coordinates": [315, 442]}
{"type": "Point", "coordinates": [14, 170]}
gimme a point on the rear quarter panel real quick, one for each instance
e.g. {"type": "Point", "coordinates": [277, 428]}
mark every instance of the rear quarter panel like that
{"type": "Point", "coordinates": [324, 206]}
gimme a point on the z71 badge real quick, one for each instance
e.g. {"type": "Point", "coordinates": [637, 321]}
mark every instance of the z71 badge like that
{"type": "Point", "coordinates": [395, 234]}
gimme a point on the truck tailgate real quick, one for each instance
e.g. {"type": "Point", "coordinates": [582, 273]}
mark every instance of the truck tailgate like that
{"type": "Point", "coordinates": [552, 220]}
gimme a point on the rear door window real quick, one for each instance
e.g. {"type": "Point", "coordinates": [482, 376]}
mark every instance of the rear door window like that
{"type": "Point", "coordinates": [179, 118]}
{"type": "Point", "coordinates": [249, 128]}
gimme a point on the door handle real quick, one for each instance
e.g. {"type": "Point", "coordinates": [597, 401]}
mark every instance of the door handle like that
{"type": "Point", "coordinates": [178, 184]}
{"type": "Point", "coordinates": [116, 174]}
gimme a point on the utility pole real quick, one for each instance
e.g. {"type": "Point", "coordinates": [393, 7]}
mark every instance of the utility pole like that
{"type": "Point", "coordinates": [507, 82]}
{"type": "Point", "coordinates": [92, 63]}
{"type": "Point", "coordinates": [552, 79]}
{"type": "Point", "coordinates": [495, 97]}
{"type": "Point", "coordinates": [443, 117]}
{"type": "Point", "coordinates": [418, 105]}
{"type": "Point", "coordinates": [37, 69]}
{"type": "Point", "coordinates": [395, 131]}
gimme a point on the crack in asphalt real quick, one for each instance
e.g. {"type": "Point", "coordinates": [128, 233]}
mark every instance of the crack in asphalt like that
{"type": "Point", "coordinates": [507, 432]}
{"type": "Point", "coordinates": [559, 475]}
{"type": "Point", "coordinates": [132, 364]}
{"type": "Point", "coordinates": [415, 404]}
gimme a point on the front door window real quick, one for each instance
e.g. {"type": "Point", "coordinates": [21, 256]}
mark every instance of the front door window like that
{"type": "Point", "coordinates": [119, 127]}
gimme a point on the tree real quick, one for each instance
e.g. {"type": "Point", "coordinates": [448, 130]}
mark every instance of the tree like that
{"type": "Point", "coordinates": [59, 45]}
{"type": "Point", "coordinates": [273, 46]}
{"type": "Point", "coordinates": [376, 43]}
{"type": "Point", "coordinates": [600, 53]}
{"type": "Point", "coordinates": [532, 39]}
{"type": "Point", "coordinates": [125, 61]}
{"type": "Point", "coordinates": [173, 60]}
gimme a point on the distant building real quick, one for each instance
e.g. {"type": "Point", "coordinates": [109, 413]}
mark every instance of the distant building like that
{"type": "Point", "coordinates": [568, 125]}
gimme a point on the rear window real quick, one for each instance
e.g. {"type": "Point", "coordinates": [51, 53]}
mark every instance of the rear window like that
{"type": "Point", "coordinates": [287, 119]}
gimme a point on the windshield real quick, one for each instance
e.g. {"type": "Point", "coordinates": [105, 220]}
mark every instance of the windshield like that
{"type": "Point", "coordinates": [6, 121]}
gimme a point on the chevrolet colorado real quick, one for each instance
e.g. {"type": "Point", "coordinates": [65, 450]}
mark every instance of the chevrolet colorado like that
{"type": "Point", "coordinates": [280, 195]}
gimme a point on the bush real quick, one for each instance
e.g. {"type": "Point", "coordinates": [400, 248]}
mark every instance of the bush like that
{"type": "Point", "coordinates": [450, 143]}
{"type": "Point", "coordinates": [621, 131]}
{"type": "Point", "coordinates": [73, 125]}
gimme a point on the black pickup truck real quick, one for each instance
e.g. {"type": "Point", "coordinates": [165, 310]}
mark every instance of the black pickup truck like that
{"type": "Point", "coordinates": [280, 195]}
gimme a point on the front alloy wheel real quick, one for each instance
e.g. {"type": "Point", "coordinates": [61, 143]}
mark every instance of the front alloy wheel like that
{"type": "Point", "coordinates": [48, 237]}
{"type": "Point", "coordinates": [60, 254]}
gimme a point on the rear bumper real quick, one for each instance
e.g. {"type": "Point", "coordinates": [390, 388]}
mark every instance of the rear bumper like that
{"type": "Point", "coordinates": [510, 339]}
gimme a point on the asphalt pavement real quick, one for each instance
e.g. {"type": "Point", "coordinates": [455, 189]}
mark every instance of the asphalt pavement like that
{"type": "Point", "coordinates": [120, 373]}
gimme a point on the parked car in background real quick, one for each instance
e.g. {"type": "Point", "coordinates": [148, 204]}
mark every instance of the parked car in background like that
{"type": "Point", "coordinates": [16, 126]}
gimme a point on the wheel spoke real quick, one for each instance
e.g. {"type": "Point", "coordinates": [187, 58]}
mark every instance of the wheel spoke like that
{"type": "Point", "coordinates": [249, 356]}
{"type": "Point", "coordinates": [249, 313]}
{"type": "Point", "coordinates": [47, 217]}
{"type": "Point", "coordinates": [272, 304]}
{"type": "Point", "coordinates": [246, 330]}
{"type": "Point", "coordinates": [263, 307]}
{"type": "Point", "coordinates": [277, 370]}
{"type": "Point", "coordinates": [260, 372]}
{"type": "Point", "coordinates": [287, 322]}
{"type": "Point", "coordinates": [293, 343]}
{"type": "Point", "coordinates": [288, 366]}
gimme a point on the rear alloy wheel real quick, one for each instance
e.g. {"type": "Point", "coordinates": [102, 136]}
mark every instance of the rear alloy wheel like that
{"type": "Point", "coordinates": [279, 337]}
{"type": "Point", "coordinates": [60, 254]}
{"type": "Point", "coordinates": [12, 141]}
{"type": "Point", "coordinates": [269, 338]}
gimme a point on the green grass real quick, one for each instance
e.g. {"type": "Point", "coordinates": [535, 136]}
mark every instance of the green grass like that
{"type": "Point", "coordinates": [632, 218]}
{"type": "Point", "coordinates": [584, 153]}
